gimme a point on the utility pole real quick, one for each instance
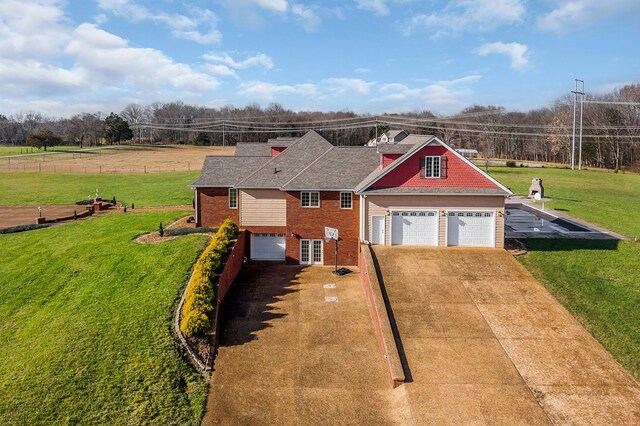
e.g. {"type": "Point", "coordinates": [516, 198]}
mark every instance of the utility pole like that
{"type": "Point", "coordinates": [573, 139]}
{"type": "Point", "coordinates": [223, 134]}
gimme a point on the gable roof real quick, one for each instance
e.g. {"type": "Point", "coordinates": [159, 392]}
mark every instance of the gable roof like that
{"type": "Point", "coordinates": [340, 168]}
{"type": "Point", "coordinates": [281, 169]}
{"type": "Point", "coordinates": [379, 173]}
{"type": "Point", "coordinates": [282, 141]}
{"type": "Point", "coordinates": [226, 171]}
{"type": "Point", "coordinates": [253, 149]}
{"type": "Point", "coordinates": [392, 148]}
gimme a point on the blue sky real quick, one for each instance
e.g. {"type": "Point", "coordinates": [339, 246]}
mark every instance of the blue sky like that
{"type": "Point", "coordinates": [369, 56]}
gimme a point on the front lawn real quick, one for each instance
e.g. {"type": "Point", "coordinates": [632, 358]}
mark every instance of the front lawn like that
{"type": "Point", "coordinates": [85, 318]}
{"type": "Point", "coordinates": [608, 199]}
{"type": "Point", "coordinates": [157, 189]}
{"type": "Point", "coordinates": [598, 282]}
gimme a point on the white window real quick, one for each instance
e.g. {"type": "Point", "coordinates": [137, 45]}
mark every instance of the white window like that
{"type": "Point", "coordinates": [345, 200]}
{"type": "Point", "coordinates": [432, 167]}
{"type": "Point", "coordinates": [310, 199]}
{"type": "Point", "coordinates": [233, 198]}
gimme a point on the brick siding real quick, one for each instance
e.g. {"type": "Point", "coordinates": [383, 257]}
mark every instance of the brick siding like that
{"type": "Point", "coordinates": [213, 204]}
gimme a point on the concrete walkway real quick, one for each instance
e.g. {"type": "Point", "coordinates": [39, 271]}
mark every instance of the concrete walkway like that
{"type": "Point", "coordinates": [292, 354]}
{"type": "Point", "coordinates": [485, 343]}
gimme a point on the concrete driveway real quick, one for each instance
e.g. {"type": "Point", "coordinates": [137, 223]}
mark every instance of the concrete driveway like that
{"type": "Point", "coordinates": [298, 347]}
{"type": "Point", "coordinates": [485, 343]}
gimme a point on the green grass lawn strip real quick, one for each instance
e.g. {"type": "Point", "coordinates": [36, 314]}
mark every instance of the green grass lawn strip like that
{"type": "Point", "coordinates": [599, 284]}
{"type": "Point", "coordinates": [85, 317]}
{"type": "Point", "coordinates": [144, 190]}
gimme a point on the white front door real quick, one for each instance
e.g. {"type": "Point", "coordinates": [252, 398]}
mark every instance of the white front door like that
{"type": "Point", "coordinates": [419, 228]}
{"type": "Point", "coordinates": [267, 247]}
{"type": "Point", "coordinates": [378, 230]}
{"type": "Point", "coordinates": [311, 252]}
{"type": "Point", "coordinates": [471, 228]}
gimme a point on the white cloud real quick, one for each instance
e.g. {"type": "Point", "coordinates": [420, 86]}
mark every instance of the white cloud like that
{"type": "Point", "coordinates": [183, 27]}
{"type": "Point", "coordinates": [378, 7]}
{"type": "Point", "coordinates": [222, 70]}
{"type": "Point", "coordinates": [268, 91]}
{"type": "Point", "coordinates": [107, 58]}
{"type": "Point", "coordinates": [444, 93]}
{"type": "Point", "coordinates": [515, 51]}
{"type": "Point", "coordinates": [275, 5]}
{"type": "Point", "coordinates": [349, 85]}
{"type": "Point", "coordinates": [581, 12]}
{"type": "Point", "coordinates": [361, 70]}
{"type": "Point", "coordinates": [307, 16]}
{"type": "Point", "coordinates": [468, 15]}
{"type": "Point", "coordinates": [252, 61]}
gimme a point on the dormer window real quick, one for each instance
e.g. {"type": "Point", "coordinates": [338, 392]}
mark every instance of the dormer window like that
{"type": "Point", "coordinates": [433, 167]}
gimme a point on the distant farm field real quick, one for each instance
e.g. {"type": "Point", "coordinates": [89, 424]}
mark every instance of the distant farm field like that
{"type": "Point", "coordinates": [597, 281]}
{"type": "Point", "coordinates": [144, 190]}
{"type": "Point", "coordinates": [85, 317]}
{"type": "Point", "coordinates": [113, 159]}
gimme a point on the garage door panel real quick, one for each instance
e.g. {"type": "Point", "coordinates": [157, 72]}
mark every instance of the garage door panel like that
{"type": "Point", "coordinates": [268, 247]}
{"type": "Point", "coordinates": [471, 228]}
{"type": "Point", "coordinates": [414, 228]}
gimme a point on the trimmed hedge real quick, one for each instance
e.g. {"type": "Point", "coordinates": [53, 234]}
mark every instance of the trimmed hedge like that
{"type": "Point", "coordinates": [199, 299]}
{"type": "Point", "coordinates": [186, 231]}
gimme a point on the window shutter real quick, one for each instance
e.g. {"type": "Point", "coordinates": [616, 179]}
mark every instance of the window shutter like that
{"type": "Point", "coordinates": [443, 167]}
{"type": "Point", "coordinates": [423, 167]}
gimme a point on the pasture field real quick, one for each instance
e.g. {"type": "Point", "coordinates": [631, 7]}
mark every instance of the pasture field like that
{"type": "Point", "coordinates": [115, 159]}
{"type": "Point", "coordinates": [86, 338]}
{"type": "Point", "coordinates": [604, 198]}
{"type": "Point", "coordinates": [598, 282]}
{"type": "Point", "coordinates": [20, 150]}
{"type": "Point", "coordinates": [144, 190]}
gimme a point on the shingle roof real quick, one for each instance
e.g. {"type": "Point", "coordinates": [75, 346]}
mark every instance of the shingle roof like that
{"type": "Point", "coordinates": [224, 170]}
{"type": "Point", "coordinates": [393, 148]}
{"type": "Point", "coordinates": [281, 169]}
{"type": "Point", "coordinates": [338, 168]}
{"type": "Point", "coordinates": [435, 191]}
{"type": "Point", "coordinates": [282, 141]}
{"type": "Point", "coordinates": [253, 150]}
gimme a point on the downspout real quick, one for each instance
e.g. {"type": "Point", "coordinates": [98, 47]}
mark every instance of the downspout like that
{"type": "Point", "coordinates": [197, 206]}
{"type": "Point", "coordinates": [362, 216]}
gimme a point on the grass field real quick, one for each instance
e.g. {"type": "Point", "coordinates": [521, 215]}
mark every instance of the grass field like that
{"type": "Point", "coordinates": [157, 189]}
{"type": "Point", "coordinates": [85, 325]}
{"type": "Point", "coordinates": [599, 284]}
{"type": "Point", "coordinates": [608, 199]}
{"type": "Point", "coordinates": [18, 150]}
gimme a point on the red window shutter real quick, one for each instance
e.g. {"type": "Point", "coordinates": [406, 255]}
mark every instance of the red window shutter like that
{"type": "Point", "coordinates": [443, 167]}
{"type": "Point", "coordinates": [423, 167]}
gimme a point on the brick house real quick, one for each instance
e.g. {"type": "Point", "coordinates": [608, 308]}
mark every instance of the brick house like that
{"type": "Point", "coordinates": [416, 191]}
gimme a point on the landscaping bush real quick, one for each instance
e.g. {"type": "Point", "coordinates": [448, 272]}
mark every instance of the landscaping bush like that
{"type": "Point", "coordinates": [173, 232]}
{"type": "Point", "coordinates": [199, 299]}
{"type": "Point", "coordinates": [511, 163]}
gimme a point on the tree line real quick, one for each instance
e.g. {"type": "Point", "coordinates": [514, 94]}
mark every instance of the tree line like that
{"type": "Point", "coordinates": [611, 127]}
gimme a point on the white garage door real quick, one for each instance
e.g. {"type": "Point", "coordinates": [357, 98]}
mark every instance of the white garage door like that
{"type": "Point", "coordinates": [471, 228]}
{"type": "Point", "coordinates": [418, 228]}
{"type": "Point", "coordinates": [267, 246]}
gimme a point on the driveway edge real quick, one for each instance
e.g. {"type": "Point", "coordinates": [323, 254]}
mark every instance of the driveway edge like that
{"type": "Point", "coordinates": [380, 316]}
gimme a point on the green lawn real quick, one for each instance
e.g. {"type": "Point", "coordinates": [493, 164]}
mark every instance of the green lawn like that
{"type": "Point", "coordinates": [18, 150]}
{"type": "Point", "coordinates": [85, 318]}
{"type": "Point", "coordinates": [608, 199]}
{"type": "Point", "coordinates": [598, 282]}
{"type": "Point", "coordinates": [157, 189]}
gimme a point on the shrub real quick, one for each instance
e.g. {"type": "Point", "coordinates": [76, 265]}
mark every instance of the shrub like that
{"type": "Point", "coordinates": [511, 163]}
{"type": "Point", "coordinates": [161, 230]}
{"type": "Point", "coordinates": [200, 296]}
{"type": "Point", "coordinates": [187, 231]}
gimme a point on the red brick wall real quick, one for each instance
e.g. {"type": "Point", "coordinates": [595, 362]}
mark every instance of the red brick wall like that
{"type": "Point", "coordinates": [459, 173]}
{"type": "Point", "coordinates": [310, 222]}
{"type": "Point", "coordinates": [213, 204]}
{"type": "Point", "coordinates": [232, 267]}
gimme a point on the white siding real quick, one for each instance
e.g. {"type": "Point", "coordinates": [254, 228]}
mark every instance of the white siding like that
{"type": "Point", "coordinates": [263, 207]}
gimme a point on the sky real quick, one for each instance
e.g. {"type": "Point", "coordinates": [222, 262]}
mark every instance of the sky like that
{"type": "Point", "coordinates": [368, 56]}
